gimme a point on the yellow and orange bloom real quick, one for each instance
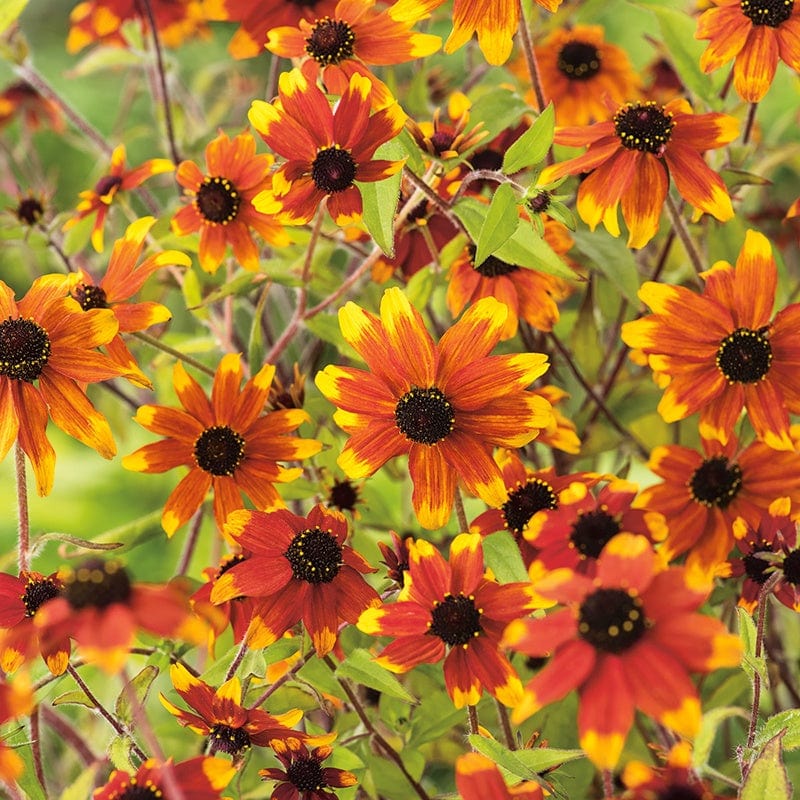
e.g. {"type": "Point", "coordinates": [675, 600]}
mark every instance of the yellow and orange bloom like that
{"type": "Point", "coordinates": [327, 151]}
{"type": "Point", "coordinates": [449, 139]}
{"type": "Point", "coordinates": [626, 639]}
{"type": "Point", "coordinates": [230, 727]}
{"type": "Point", "coordinates": [336, 47]}
{"type": "Point", "coordinates": [101, 609]}
{"type": "Point", "coordinates": [221, 206]}
{"type": "Point", "coordinates": [452, 611]}
{"type": "Point", "coordinates": [701, 494]}
{"type": "Point", "coordinates": [478, 778]}
{"type": "Point", "coordinates": [201, 778]}
{"type": "Point", "coordinates": [446, 405]}
{"type": "Point", "coordinates": [562, 433]}
{"type": "Point", "coordinates": [16, 700]}
{"type": "Point", "coordinates": [23, 101]}
{"type": "Point", "coordinates": [303, 777]}
{"type": "Point", "coordinates": [723, 350]}
{"type": "Point", "coordinates": [46, 337]}
{"type": "Point", "coordinates": [122, 280]}
{"type": "Point", "coordinates": [20, 600]}
{"type": "Point", "coordinates": [300, 568]}
{"type": "Point", "coordinates": [756, 34]}
{"type": "Point", "coordinates": [583, 75]}
{"type": "Point", "coordinates": [632, 158]}
{"type": "Point", "coordinates": [228, 444]}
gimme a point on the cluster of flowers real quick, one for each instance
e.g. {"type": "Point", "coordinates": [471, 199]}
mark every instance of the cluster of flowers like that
{"type": "Point", "coordinates": [563, 580]}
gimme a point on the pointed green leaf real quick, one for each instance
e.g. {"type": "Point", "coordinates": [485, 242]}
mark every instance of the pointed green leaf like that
{"type": "Point", "coordinates": [499, 224]}
{"type": "Point", "coordinates": [119, 751]}
{"type": "Point", "coordinates": [76, 697]}
{"type": "Point", "coordinates": [139, 686]}
{"type": "Point", "coordinates": [380, 198]}
{"type": "Point", "coordinates": [786, 721]}
{"type": "Point", "coordinates": [613, 259]}
{"type": "Point", "coordinates": [82, 786]}
{"type": "Point", "coordinates": [531, 148]}
{"type": "Point", "coordinates": [507, 759]}
{"type": "Point", "coordinates": [503, 557]}
{"type": "Point", "coordinates": [708, 730]}
{"type": "Point", "coordinates": [419, 287]}
{"type": "Point", "coordinates": [767, 776]}
{"type": "Point", "coordinates": [540, 759]}
{"type": "Point", "coordinates": [361, 667]}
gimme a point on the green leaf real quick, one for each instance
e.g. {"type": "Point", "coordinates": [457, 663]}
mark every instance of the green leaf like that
{"type": "Point", "coordinates": [380, 199]}
{"type": "Point", "coordinates": [531, 148]}
{"type": "Point", "coordinates": [540, 759]}
{"type": "Point", "coordinates": [499, 224]}
{"type": "Point", "coordinates": [86, 544]}
{"type": "Point", "coordinates": [119, 751]}
{"type": "Point", "coordinates": [708, 731]}
{"type": "Point", "coordinates": [28, 782]}
{"type": "Point", "coordinates": [502, 756]}
{"type": "Point", "coordinates": [82, 786]}
{"type": "Point", "coordinates": [786, 721]}
{"type": "Point", "coordinates": [9, 13]}
{"type": "Point", "coordinates": [612, 258]}
{"type": "Point", "coordinates": [76, 697]}
{"type": "Point", "coordinates": [767, 776]}
{"type": "Point", "coordinates": [139, 685]}
{"type": "Point", "coordinates": [255, 345]}
{"type": "Point", "coordinates": [238, 286]}
{"type": "Point", "coordinates": [747, 631]}
{"type": "Point", "coordinates": [360, 667]}
{"type": "Point", "coordinates": [419, 288]}
{"type": "Point", "coordinates": [503, 557]}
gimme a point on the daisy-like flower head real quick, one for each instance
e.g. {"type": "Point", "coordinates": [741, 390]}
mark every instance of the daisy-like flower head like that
{"type": "Point", "coordinates": [122, 280]}
{"type": "Point", "coordinates": [20, 600]}
{"type": "Point", "coordinates": [230, 727]}
{"type": "Point", "coordinates": [102, 608]}
{"type": "Point", "coordinates": [118, 179]}
{"type": "Point", "coordinates": [723, 350]}
{"type": "Point", "coordinates": [221, 206]}
{"type": "Point", "coordinates": [448, 139]}
{"type": "Point", "coordinates": [46, 338]}
{"type": "Point", "coordinates": [16, 700]}
{"type": "Point", "coordinates": [396, 558]}
{"type": "Point", "coordinates": [581, 73]}
{"type": "Point", "coordinates": [495, 22]}
{"type": "Point", "coordinates": [445, 405]}
{"type": "Point", "coordinates": [575, 534]}
{"type": "Point", "coordinates": [527, 293]}
{"type": "Point", "coordinates": [29, 209]}
{"type": "Point", "coordinates": [201, 778]}
{"type": "Point", "coordinates": [22, 100]}
{"type": "Point", "coordinates": [701, 494]}
{"type": "Point", "coordinates": [478, 778]}
{"type": "Point", "coordinates": [626, 639]}
{"type": "Point", "coordinates": [339, 46]}
{"type": "Point", "coordinates": [632, 158]}
{"type": "Point", "coordinates": [757, 34]}
{"type": "Point", "coordinates": [327, 151]}
{"type": "Point", "coordinates": [227, 443]}
{"type": "Point", "coordinates": [452, 611]}
{"type": "Point", "coordinates": [303, 777]}
{"type": "Point", "coordinates": [300, 568]}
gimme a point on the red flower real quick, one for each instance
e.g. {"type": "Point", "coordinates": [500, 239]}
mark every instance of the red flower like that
{"type": "Point", "coordinates": [23, 100]}
{"type": "Point", "coordinates": [16, 700]}
{"type": "Point", "coordinates": [300, 568]}
{"type": "Point", "coordinates": [452, 611]}
{"type": "Point", "coordinates": [477, 778]}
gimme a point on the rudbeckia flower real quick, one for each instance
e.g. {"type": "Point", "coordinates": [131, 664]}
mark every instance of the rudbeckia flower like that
{"type": "Point", "coordinates": [220, 715]}
{"type": "Point", "coordinates": [495, 22]}
{"type": "Point", "coordinates": [101, 608]}
{"type": "Point", "coordinates": [122, 280]}
{"type": "Point", "coordinates": [22, 100]}
{"type": "Point", "coordinates": [300, 568]}
{"type": "Point", "coordinates": [341, 45]}
{"type": "Point", "coordinates": [20, 600]}
{"type": "Point", "coordinates": [723, 350]}
{"type": "Point", "coordinates": [626, 639]}
{"type": "Point", "coordinates": [701, 494]}
{"type": "Point", "coordinates": [327, 156]}
{"type": "Point", "coordinates": [444, 405]}
{"type": "Point", "coordinates": [201, 778]}
{"type": "Point", "coordinates": [46, 337]}
{"type": "Point", "coordinates": [581, 73]}
{"type": "Point", "coordinates": [478, 778]}
{"type": "Point", "coordinates": [118, 179]}
{"type": "Point", "coordinates": [452, 611]}
{"type": "Point", "coordinates": [221, 206]}
{"type": "Point", "coordinates": [303, 777]}
{"type": "Point", "coordinates": [451, 138]}
{"type": "Point", "coordinates": [756, 34]}
{"type": "Point", "coordinates": [228, 444]}
{"type": "Point", "coordinates": [632, 158]}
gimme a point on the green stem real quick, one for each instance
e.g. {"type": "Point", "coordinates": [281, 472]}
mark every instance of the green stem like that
{"type": "Point", "coordinates": [679, 226]}
{"type": "Point", "coordinates": [750, 123]}
{"type": "Point", "coordinates": [460, 513]}
{"type": "Point", "coordinates": [159, 345]}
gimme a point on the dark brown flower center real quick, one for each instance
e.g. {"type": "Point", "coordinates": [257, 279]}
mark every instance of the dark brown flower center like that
{"type": "Point", "coordinates": [455, 620]}
{"type": "Point", "coordinates": [791, 568]}
{"type": "Point", "coordinates": [305, 774]}
{"type": "Point", "coordinates": [343, 495]}
{"type": "Point", "coordinates": [756, 568]}
{"type": "Point", "coordinates": [442, 140]}
{"type": "Point", "coordinates": [217, 200]}
{"type": "Point", "coordinates": [229, 740]}
{"type": "Point", "coordinates": [716, 482]}
{"type": "Point", "coordinates": [90, 296]}
{"type": "Point", "coordinates": [744, 356]}
{"type": "Point", "coordinates": [525, 501]}
{"type": "Point", "coordinates": [592, 531]}
{"type": "Point", "coordinates": [24, 349]}
{"type": "Point", "coordinates": [579, 61]}
{"type": "Point", "coordinates": [229, 563]}
{"type": "Point", "coordinates": [315, 556]}
{"type": "Point", "coordinates": [219, 450]}
{"type": "Point", "coordinates": [333, 170]}
{"type": "Point", "coordinates": [98, 584]}
{"type": "Point", "coordinates": [540, 202]}
{"type": "Point", "coordinates": [681, 791]}
{"type": "Point", "coordinates": [106, 184]}
{"type": "Point", "coordinates": [331, 41]}
{"type": "Point", "coordinates": [29, 210]}
{"type": "Point", "coordinates": [611, 620]}
{"type": "Point", "coordinates": [425, 416]}
{"type": "Point", "coordinates": [133, 791]}
{"type": "Point", "coordinates": [488, 159]}
{"type": "Point", "coordinates": [767, 12]}
{"type": "Point", "coordinates": [491, 267]}
{"type": "Point", "coordinates": [37, 592]}
{"type": "Point", "coordinates": [644, 126]}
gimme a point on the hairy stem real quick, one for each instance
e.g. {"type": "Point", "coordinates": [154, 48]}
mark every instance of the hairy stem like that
{"type": "Point", "coordinates": [23, 520]}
